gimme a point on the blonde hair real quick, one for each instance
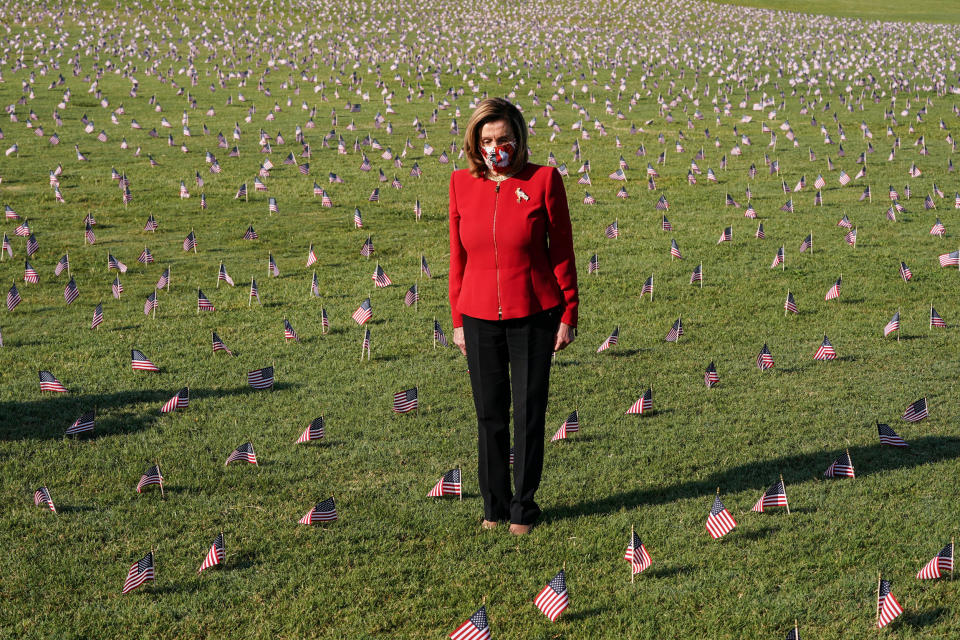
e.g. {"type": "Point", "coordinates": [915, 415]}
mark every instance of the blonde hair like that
{"type": "Point", "coordinates": [492, 110]}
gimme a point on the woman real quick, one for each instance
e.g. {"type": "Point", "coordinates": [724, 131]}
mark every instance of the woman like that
{"type": "Point", "coordinates": [513, 297]}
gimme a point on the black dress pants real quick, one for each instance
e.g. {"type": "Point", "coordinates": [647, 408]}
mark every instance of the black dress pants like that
{"type": "Point", "coordinates": [505, 355]}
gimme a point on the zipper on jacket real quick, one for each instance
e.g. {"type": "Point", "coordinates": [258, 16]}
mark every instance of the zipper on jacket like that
{"type": "Point", "coordinates": [496, 256]}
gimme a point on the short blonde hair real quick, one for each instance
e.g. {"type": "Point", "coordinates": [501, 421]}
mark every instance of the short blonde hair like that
{"type": "Point", "coordinates": [491, 110]}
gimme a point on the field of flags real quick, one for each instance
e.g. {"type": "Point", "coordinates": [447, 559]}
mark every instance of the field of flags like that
{"type": "Point", "coordinates": [254, 210]}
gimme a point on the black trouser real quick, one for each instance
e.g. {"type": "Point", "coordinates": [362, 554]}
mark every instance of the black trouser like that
{"type": "Point", "coordinates": [498, 350]}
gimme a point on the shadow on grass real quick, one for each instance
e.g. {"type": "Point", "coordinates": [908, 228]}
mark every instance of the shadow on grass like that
{"type": "Point", "coordinates": [50, 416]}
{"type": "Point", "coordinates": [921, 619]}
{"type": "Point", "coordinates": [757, 476]}
{"type": "Point", "coordinates": [666, 572]}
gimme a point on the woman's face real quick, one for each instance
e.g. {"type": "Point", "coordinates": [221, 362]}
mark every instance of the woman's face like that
{"type": "Point", "coordinates": [496, 133]}
{"type": "Point", "coordinates": [498, 144]}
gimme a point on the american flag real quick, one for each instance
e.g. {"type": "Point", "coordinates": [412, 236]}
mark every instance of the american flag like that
{"type": "Point", "coordinates": [665, 224]}
{"type": "Point", "coordinates": [675, 250]}
{"type": "Point", "coordinates": [787, 206]}
{"type": "Point", "coordinates": [476, 627]}
{"type": "Point", "coordinates": [311, 256]}
{"type": "Point", "coordinates": [250, 234]}
{"type": "Point", "coordinates": [242, 453]}
{"type": "Point", "coordinates": [710, 377]}
{"type": "Point", "coordinates": [203, 304]}
{"type": "Point", "coordinates": [951, 259]}
{"type": "Point", "coordinates": [751, 213]}
{"type": "Point", "coordinates": [584, 179]}
{"type": "Point", "coordinates": [662, 205]}
{"type": "Point", "coordinates": [113, 263]}
{"type": "Point", "coordinates": [424, 268]}
{"type": "Point", "coordinates": [406, 401]}
{"type": "Point", "coordinates": [315, 286]}
{"type": "Point", "coordinates": [314, 431]}
{"type": "Point", "coordinates": [448, 485]}
{"type": "Point", "coordinates": [150, 476]}
{"type": "Point", "coordinates": [241, 192]}
{"type": "Point", "coordinates": [647, 287]}
{"type": "Point", "coordinates": [697, 275]}
{"type": "Point", "coordinates": [5, 247]}
{"type": "Point", "coordinates": [32, 245]}
{"type": "Point", "coordinates": [29, 273]}
{"type": "Point", "coordinates": [675, 331]}
{"type": "Point", "coordinates": [842, 467]}
{"type": "Point", "coordinates": [190, 242]}
{"type": "Point", "coordinates": [905, 272]}
{"type": "Point", "coordinates": [730, 202]}
{"type": "Point", "coordinates": [97, 316]}
{"type": "Point", "coordinates": [834, 291]}
{"type": "Point", "coordinates": [775, 496]}
{"type": "Point", "coordinates": [49, 382]}
{"type": "Point", "coordinates": [719, 520]}
{"type": "Point", "coordinates": [612, 230]}
{"type": "Point", "coordinates": [70, 292]}
{"type": "Point", "coordinates": [374, 195]}
{"type": "Point", "coordinates": [636, 554]}
{"type": "Point", "coordinates": [13, 298]}
{"type": "Point", "coordinates": [324, 320]}
{"type": "Point", "coordinates": [223, 275]}
{"type": "Point", "coordinates": [845, 222]}
{"type": "Point", "coordinates": [151, 303]}
{"type": "Point", "coordinates": [41, 497]}
{"type": "Point", "coordinates": [180, 401]}
{"type": "Point", "coordinates": [553, 599]}
{"type": "Point", "coordinates": [609, 342]}
{"type": "Point", "coordinates": [851, 237]}
{"type": "Point", "coordinates": [943, 561]}
{"type": "Point", "coordinates": [889, 436]}
{"type": "Point", "coordinates": [790, 304]}
{"type": "Point", "coordinates": [893, 325]}
{"type": "Point", "coordinates": [726, 235]}
{"type": "Point", "coordinates": [288, 332]}
{"type": "Point", "coordinates": [593, 266]}
{"type": "Point", "coordinates": [215, 556]}
{"type": "Point", "coordinates": [218, 344]}
{"type": "Point", "coordinates": [807, 243]}
{"type": "Point", "coordinates": [888, 609]}
{"type": "Point", "coordinates": [380, 278]}
{"type": "Point", "coordinates": [843, 179]}
{"type": "Point", "coordinates": [140, 571]}
{"type": "Point", "coordinates": [272, 206]}
{"type": "Point", "coordinates": [23, 229]}
{"type": "Point", "coordinates": [778, 259]}
{"type": "Point", "coordinates": [825, 351]}
{"type": "Point", "coordinates": [261, 378]}
{"type": "Point", "coordinates": [644, 403]}
{"type": "Point", "coordinates": [82, 424]}
{"type": "Point", "coordinates": [272, 267]}
{"type": "Point", "coordinates": [935, 319]}
{"type": "Point", "coordinates": [367, 248]}
{"type": "Point", "coordinates": [145, 256]}
{"type": "Point", "coordinates": [570, 425]}
{"type": "Point", "coordinates": [938, 229]}
{"type": "Point", "coordinates": [140, 362]}
{"type": "Point", "coordinates": [764, 359]}
{"type": "Point", "coordinates": [917, 411]}
{"type": "Point", "coordinates": [325, 511]}
{"type": "Point", "coordinates": [63, 264]}
{"type": "Point", "coordinates": [258, 184]}
{"type": "Point", "coordinates": [438, 334]}
{"type": "Point", "coordinates": [363, 313]}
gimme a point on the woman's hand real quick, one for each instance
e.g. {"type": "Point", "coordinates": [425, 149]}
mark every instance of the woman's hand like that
{"type": "Point", "coordinates": [565, 336]}
{"type": "Point", "coordinates": [459, 341]}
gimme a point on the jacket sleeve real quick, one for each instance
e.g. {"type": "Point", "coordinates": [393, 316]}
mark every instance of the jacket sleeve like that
{"type": "Point", "coordinates": [458, 257]}
{"type": "Point", "coordinates": [561, 246]}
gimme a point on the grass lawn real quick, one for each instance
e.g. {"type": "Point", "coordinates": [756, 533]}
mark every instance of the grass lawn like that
{"type": "Point", "coordinates": [885, 10]}
{"type": "Point", "coordinates": [396, 563]}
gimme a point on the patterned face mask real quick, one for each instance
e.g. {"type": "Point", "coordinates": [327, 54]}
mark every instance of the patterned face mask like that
{"type": "Point", "coordinates": [499, 156]}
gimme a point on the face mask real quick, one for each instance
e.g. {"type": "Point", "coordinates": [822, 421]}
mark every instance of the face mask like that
{"type": "Point", "coordinates": [498, 157]}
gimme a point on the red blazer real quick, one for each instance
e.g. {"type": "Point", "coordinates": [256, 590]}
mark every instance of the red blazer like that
{"type": "Point", "coordinates": [511, 248]}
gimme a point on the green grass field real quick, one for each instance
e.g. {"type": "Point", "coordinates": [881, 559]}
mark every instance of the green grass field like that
{"type": "Point", "coordinates": [884, 10]}
{"type": "Point", "coordinates": [397, 564]}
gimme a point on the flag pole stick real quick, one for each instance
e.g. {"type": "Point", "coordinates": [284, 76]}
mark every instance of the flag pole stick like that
{"type": "Point", "coordinates": [632, 574]}
{"type": "Point", "coordinates": [68, 263]}
{"type": "Point", "coordinates": [161, 478]}
{"type": "Point", "coordinates": [198, 300]}
{"type": "Point", "coordinates": [811, 242]}
{"type": "Point", "coordinates": [783, 262]}
{"type": "Point", "coordinates": [169, 278]}
{"type": "Point", "coordinates": [218, 274]}
{"type": "Point", "coordinates": [878, 596]}
{"type": "Point", "coordinates": [701, 274]}
{"type": "Point", "coordinates": [785, 305]}
{"type": "Point", "coordinates": [461, 482]}
{"type": "Point", "coordinates": [930, 324]}
{"type": "Point", "coordinates": [952, 547]}
{"type": "Point", "coordinates": [785, 493]}
{"type": "Point", "coordinates": [194, 242]}
{"type": "Point", "coordinates": [434, 332]}
{"type": "Point", "coordinates": [250, 296]}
